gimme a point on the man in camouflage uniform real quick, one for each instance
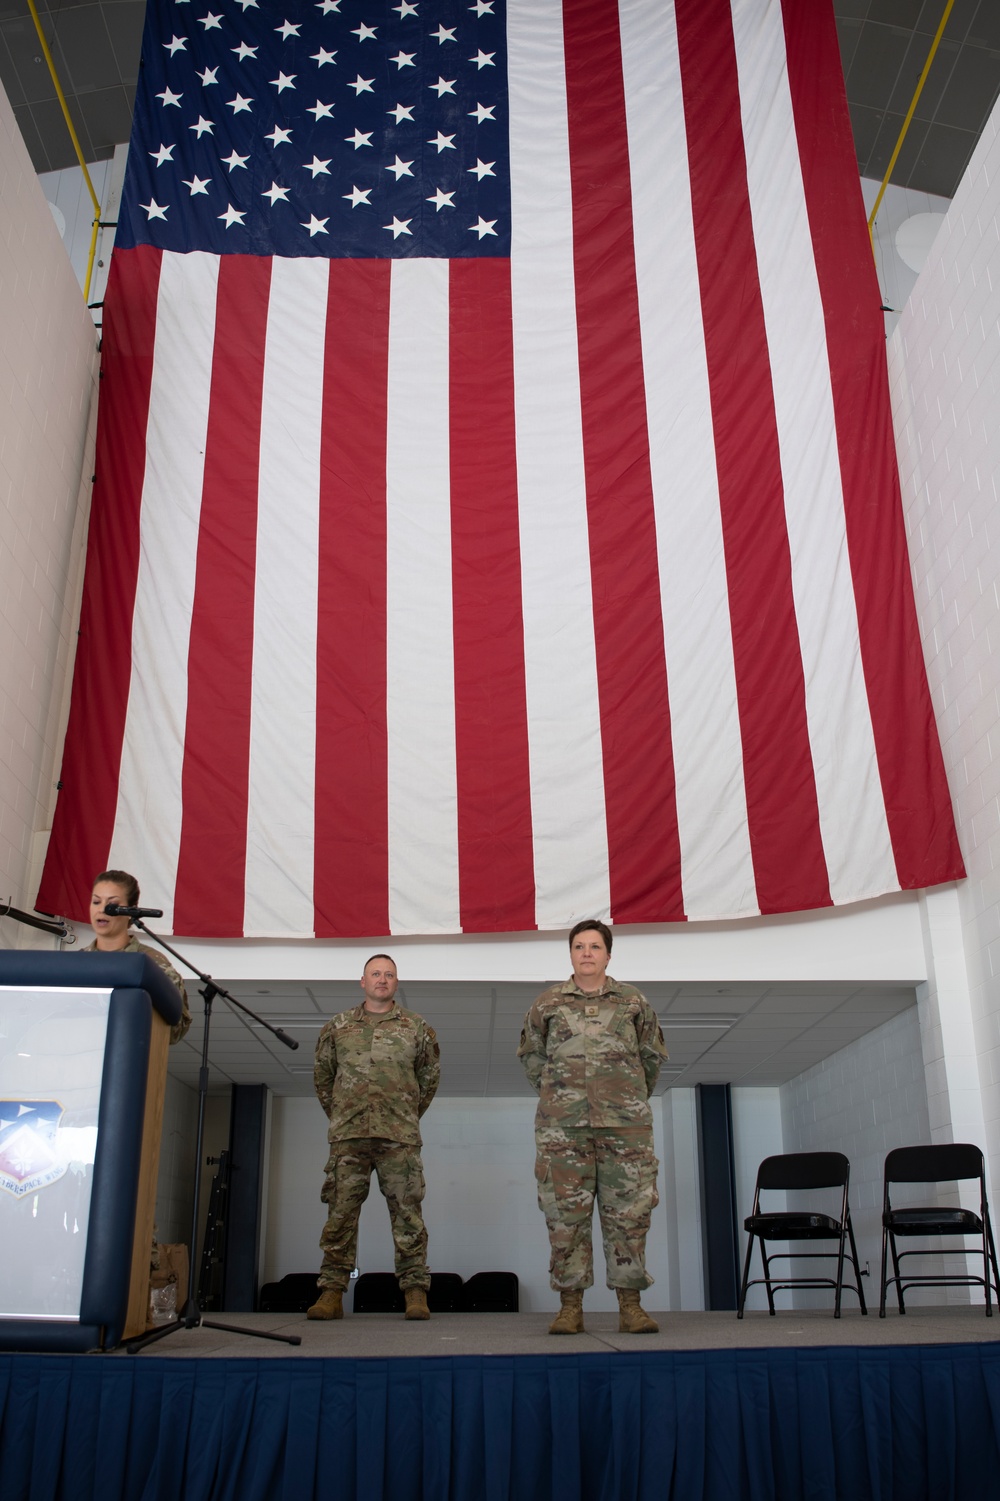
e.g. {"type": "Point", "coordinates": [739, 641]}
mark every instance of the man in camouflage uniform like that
{"type": "Point", "coordinates": [377, 1070]}
{"type": "Point", "coordinates": [592, 1050]}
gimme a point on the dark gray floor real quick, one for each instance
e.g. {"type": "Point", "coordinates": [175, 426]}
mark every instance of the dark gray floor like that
{"type": "Point", "coordinates": [389, 1335]}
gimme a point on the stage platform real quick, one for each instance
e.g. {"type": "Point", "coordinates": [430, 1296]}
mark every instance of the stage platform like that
{"type": "Point", "coordinates": [490, 1407]}
{"type": "Point", "coordinates": [386, 1336]}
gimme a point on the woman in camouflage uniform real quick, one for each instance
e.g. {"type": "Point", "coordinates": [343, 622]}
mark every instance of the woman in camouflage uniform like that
{"type": "Point", "coordinates": [592, 1050]}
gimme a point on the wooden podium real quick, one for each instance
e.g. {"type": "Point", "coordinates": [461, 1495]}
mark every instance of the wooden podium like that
{"type": "Point", "coordinates": [83, 1059]}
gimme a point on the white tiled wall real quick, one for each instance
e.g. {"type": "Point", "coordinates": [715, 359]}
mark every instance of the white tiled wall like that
{"type": "Point", "coordinates": [48, 377]}
{"type": "Point", "coordinates": [944, 367]}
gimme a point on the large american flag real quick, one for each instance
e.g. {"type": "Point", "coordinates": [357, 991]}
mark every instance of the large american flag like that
{"type": "Point", "coordinates": [496, 518]}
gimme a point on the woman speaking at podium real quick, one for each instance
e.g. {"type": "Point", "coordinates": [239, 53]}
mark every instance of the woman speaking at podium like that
{"type": "Point", "coordinates": [117, 886]}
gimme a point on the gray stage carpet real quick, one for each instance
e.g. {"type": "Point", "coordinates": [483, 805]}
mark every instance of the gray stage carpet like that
{"type": "Point", "coordinates": [387, 1336]}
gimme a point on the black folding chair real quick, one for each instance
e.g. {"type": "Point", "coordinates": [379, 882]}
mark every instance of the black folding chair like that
{"type": "Point", "coordinates": [801, 1170]}
{"type": "Point", "coordinates": [293, 1294]}
{"type": "Point", "coordinates": [948, 1163]}
{"type": "Point", "coordinates": [490, 1292]}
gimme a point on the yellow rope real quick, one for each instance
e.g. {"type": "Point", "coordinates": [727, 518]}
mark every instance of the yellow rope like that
{"type": "Point", "coordinates": [76, 146]}
{"type": "Point", "coordinates": [909, 115]}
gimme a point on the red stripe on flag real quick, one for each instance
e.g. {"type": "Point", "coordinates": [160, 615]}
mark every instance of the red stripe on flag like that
{"type": "Point", "coordinates": [914, 786]}
{"type": "Point", "coordinates": [496, 865]}
{"type": "Point", "coordinates": [351, 882]}
{"type": "Point", "coordinates": [211, 864]}
{"type": "Point", "coordinates": [643, 843]}
{"type": "Point", "coordinates": [782, 810]}
{"type": "Point", "coordinates": [84, 819]}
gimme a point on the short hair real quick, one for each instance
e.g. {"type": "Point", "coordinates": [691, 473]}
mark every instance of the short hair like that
{"type": "Point", "coordinates": [592, 924]}
{"type": "Point", "coordinates": [121, 878]}
{"type": "Point", "coordinates": [378, 956]}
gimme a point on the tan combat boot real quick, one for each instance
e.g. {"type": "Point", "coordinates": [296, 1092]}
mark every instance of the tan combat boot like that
{"type": "Point", "coordinates": [329, 1305]}
{"type": "Point", "coordinates": [416, 1303]}
{"type": "Point", "coordinates": [569, 1319]}
{"type": "Point", "coordinates": [632, 1317]}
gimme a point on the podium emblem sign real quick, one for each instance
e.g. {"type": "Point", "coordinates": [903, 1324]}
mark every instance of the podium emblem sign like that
{"type": "Point", "coordinates": [30, 1157]}
{"type": "Point", "coordinates": [52, 1044]}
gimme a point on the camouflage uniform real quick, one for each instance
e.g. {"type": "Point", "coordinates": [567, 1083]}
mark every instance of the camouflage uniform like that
{"type": "Point", "coordinates": [135, 947]}
{"type": "Point", "coordinates": [376, 1073]}
{"type": "Point", "coordinates": [594, 1058]}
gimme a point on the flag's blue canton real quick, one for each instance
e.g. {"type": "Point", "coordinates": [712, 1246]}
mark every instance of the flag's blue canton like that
{"type": "Point", "coordinates": [339, 128]}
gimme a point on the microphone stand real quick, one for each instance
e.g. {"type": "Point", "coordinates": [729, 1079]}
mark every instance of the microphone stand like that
{"type": "Point", "coordinates": [191, 1317]}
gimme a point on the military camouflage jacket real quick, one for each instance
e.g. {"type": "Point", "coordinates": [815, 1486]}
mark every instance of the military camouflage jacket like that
{"type": "Point", "coordinates": [593, 1059]}
{"type": "Point", "coordinates": [135, 947]}
{"type": "Point", "coordinates": [376, 1073]}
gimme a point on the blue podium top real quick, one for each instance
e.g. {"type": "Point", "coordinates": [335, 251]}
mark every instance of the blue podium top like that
{"type": "Point", "coordinates": [112, 971]}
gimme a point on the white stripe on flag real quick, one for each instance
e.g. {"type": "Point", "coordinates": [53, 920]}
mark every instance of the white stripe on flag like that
{"type": "Point", "coordinates": [851, 811]}
{"type": "Point", "coordinates": [560, 664]}
{"type": "Point", "coordinates": [420, 671]}
{"type": "Point", "coordinates": [280, 826]}
{"type": "Point", "coordinates": [718, 875]}
{"type": "Point", "coordinates": [148, 816]}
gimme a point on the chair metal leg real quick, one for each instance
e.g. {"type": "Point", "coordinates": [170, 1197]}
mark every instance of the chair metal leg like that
{"type": "Point", "coordinates": [857, 1268]}
{"type": "Point", "coordinates": [885, 1253]}
{"type": "Point", "coordinates": [746, 1277]}
{"type": "Point", "coordinates": [896, 1273]}
{"type": "Point", "coordinates": [993, 1257]}
{"type": "Point", "coordinates": [767, 1276]}
{"type": "Point", "coordinates": [840, 1269]}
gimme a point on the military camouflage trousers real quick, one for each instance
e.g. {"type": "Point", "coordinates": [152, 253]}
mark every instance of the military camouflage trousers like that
{"type": "Point", "coordinates": [618, 1168]}
{"type": "Point", "coordinates": [345, 1188]}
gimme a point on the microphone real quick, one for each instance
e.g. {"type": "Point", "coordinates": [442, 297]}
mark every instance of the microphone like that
{"type": "Point", "coordinates": [115, 909]}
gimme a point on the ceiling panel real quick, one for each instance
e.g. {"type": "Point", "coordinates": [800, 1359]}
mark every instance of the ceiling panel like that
{"type": "Point", "coordinates": [761, 1034]}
